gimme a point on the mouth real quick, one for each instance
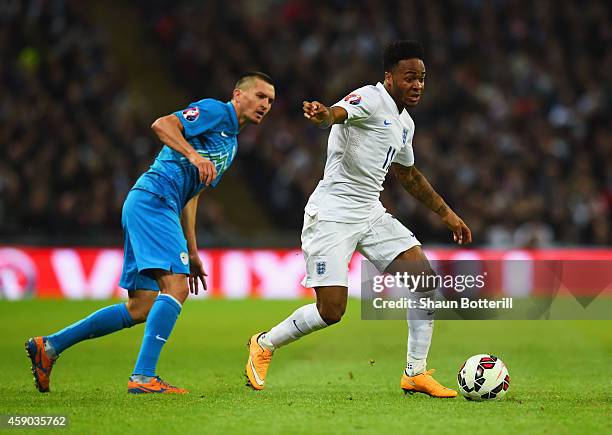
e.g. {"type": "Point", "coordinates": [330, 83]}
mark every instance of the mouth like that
{"type": "Point", "coordinates": [414, 98]}
{"type": "Point", "coordinates": [259, 114]}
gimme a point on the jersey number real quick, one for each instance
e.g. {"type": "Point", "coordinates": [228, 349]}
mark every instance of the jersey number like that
{"type": "Point", "coordinates": [389, 158]}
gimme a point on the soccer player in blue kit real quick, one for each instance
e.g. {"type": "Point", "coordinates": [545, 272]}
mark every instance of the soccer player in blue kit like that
{"type": "Point", "coordinates": [161, 262]}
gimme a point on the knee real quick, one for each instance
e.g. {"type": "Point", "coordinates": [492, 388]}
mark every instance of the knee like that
{"type": "Point", "coordinates": [180, 293]}
{"type": "Point", "coordinates": [175, 285]}
{"type": "Point", "coordinates": [139, 310]}
{"type": "Point", "coordinates": [331, 313]}
{"type": "Point", "coordinates": [429, 282]}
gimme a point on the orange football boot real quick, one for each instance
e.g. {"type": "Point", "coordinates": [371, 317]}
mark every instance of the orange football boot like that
{"type": "Point", "coordinates": [258, 363]}
{"type": "Point", "coordinates": [155, 385]}
{"type": "Point", "coordinates": [41, 363]}
{"type": "Point", "coordinates": [424, 383]}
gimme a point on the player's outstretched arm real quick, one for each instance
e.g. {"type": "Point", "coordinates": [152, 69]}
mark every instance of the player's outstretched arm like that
{"type": "Point", "coordinates": [188, 222]}
{"type": "Point", "coordinates": [417, 185]}
{"type": "Point", "coordinates": [169, 130]}
{"type": "Point", "coordinates": [322, 116]}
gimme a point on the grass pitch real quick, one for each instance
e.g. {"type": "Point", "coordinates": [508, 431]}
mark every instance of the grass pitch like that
{"type": "Point", "coordinates": [344, 379]}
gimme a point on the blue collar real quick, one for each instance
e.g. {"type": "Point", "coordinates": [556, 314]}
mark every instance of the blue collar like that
{"type": "Point", "coordinates": [235, 125]}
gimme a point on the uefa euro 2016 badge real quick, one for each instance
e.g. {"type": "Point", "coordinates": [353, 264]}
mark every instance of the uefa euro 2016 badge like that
{"type": "Point", "coordinates": [404, 136]}
{"type": "Point", "coordinates": [184, 258]}
{"type": "Point", "coordinates": [321, 267]}
{"type": "Point", "coordinates": [353, 99]}
{"type": "Point", "coordinates": [191, 114]}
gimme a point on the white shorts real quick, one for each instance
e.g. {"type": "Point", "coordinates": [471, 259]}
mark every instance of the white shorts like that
{"type": "Point", "coordinates": [328, 246]}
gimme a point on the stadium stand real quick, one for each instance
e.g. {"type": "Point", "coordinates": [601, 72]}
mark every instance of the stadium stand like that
{"type": "Point", "coordinates": [513, 129]}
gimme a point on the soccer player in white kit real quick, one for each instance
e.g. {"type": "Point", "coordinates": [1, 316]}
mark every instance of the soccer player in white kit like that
{"type": "Point", "coordinates": [371, 132]}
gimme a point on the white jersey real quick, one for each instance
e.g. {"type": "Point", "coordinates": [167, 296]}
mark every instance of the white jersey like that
{"type": "Point", "coordinates": [359, 154]}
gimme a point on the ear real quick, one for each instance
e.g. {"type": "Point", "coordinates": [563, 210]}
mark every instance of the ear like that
{"type": "Point", "coordinates": [388, 78]}
{"type": "Point", "coordinates": [237, 92]}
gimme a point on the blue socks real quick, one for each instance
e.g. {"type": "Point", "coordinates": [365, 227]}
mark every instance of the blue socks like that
{"type": "Point", "coordinates": [160, 322]}
{"type": "Point", "coordinates": [102, 322]}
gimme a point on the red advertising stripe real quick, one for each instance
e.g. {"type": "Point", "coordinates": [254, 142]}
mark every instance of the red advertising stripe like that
{"type": "Point", "coordinates": [84, 273]}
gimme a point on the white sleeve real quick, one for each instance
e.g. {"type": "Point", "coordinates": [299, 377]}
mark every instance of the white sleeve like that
{"type": "Point", "coordinates": [405, 157]}
{"type": "Point", "coordinates": [360, 104]}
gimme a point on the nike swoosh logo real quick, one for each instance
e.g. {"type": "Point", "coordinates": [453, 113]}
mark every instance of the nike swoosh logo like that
{"type": "Point", "coordinates": [160, 338]}
{"type": "Point", "coordinates": [224, 134]}
{"type": "Point", "coordinates": [386, 122]}
{"type": "Point", "coordinates": [411, 382]}
{"type": "Point", "coordinates": [140, 387]}
{"type": "Point", "coordinates": [150, 390]}
{"type": "Point", "coordinates": [257, 378]}
{"type": "Point", "coordinates": [296, 327]}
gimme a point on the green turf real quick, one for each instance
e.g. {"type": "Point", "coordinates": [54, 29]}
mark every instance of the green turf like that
{"type": "Point", "coordinates": [344, 379]}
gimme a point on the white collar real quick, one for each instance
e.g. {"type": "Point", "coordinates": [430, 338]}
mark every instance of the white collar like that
{"type": "Point", "coordinates": [388, 99]}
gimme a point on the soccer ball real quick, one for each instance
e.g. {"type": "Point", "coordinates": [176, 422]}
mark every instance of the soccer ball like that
{"type": "Point", "coordinates": [483, 377]}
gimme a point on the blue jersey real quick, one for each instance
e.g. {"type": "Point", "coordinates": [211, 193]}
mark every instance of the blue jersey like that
{"type": "Point", "coordinates": [211, 127]}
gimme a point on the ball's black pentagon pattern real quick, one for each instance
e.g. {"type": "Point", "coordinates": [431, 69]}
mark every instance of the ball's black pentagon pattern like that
{"type": "Point", "coordinates": [485, 363]}
{"type": "Point", "coordinates": [498, 388]}
{"type": "Point", "coordinates": [478, 383]}
{"type": "Point", "coordinates": [495, 391]}
{"type": "Point", "coordinates": [506, 383]}
{"type": "Point", "coordinates": [462, 383]}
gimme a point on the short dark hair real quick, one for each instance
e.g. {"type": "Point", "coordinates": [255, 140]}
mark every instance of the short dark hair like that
{"type": "Point", "coordinates": [399, 50]}
{"type": "Point", "coordinates": [253, 75]}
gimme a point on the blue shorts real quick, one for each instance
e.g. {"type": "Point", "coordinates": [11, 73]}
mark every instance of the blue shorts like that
{"type": "Point", "coordinates": [153, 240]}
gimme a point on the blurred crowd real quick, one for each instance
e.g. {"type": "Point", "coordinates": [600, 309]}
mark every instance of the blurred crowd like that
{"type": "Point", "coordinates": [513, 129]}
{"type": "Point", "coordinates": [70, 138]}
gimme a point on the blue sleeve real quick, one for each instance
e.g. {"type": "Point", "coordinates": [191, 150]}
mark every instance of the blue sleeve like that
{"type": "Point", "coordinates": [200, 117]}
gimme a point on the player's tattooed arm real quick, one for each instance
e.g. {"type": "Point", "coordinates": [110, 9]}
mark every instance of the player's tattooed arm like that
{"type": "Point", "coordinates": [417, 185]}
{"type": "Point", "coordinates": [169, 130]}
{"type": "Point", "coordinates": [322, 116]}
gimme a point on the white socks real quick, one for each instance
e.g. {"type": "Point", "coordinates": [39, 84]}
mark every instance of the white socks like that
{"type": "Point", "coordinates": [141, 379]}
{"type": "Point", "coordinates": [302, 322]}
{"type": "Point", "coordinates": [420, 331]}
{"type": "Point", "coordinates": [419, 340]}
{"type": "Point", "coordinates": [307, 319]}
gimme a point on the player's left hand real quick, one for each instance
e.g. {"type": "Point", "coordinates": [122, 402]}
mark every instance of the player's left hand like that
{"type": "Point", "coordinates": [461, 233]}
{"type": "Point", "coordinates": [196, 271]}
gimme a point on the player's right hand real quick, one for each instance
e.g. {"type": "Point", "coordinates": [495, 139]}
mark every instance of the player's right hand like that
{"type": "Point", "coordinates": [317, 113]}
{"type": "Point", "coordinates": [206, 168]}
